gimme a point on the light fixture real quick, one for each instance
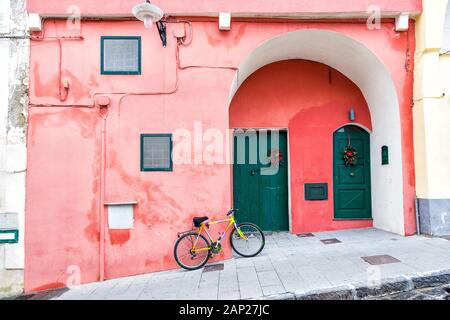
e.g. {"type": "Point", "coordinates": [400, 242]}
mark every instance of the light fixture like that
{"type": "Point", "coordinates": [151, 14]}
{"type": "Point", "coordinates": [351, 114]}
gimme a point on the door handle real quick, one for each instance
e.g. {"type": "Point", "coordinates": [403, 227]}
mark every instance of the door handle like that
{"type": "Point", "coordinates": [352, 174]}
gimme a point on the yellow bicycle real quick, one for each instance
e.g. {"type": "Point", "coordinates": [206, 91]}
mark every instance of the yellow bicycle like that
{"type": "Point", "coordinates": [192, 249]}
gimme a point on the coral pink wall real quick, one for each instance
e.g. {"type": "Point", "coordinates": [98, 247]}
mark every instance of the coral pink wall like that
{"type": "Point", "coordinates": [64, 152]}
{"type": "Point", "coordinates": [312, 100]}
{"type": "Point", "coordinates": [209, 7]}
{"type": "Point", "coordinates": [62, 202]}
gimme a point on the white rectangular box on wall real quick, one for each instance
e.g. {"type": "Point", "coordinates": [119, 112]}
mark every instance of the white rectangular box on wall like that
{"type": "Point", "coordinates": [34, 22]}
{"type": "Point", "coordinates": [225, 21]}
{"type": "Point", "coordinates": [121, 215]}
{"type": "Point", "coordinates": [402, 22]}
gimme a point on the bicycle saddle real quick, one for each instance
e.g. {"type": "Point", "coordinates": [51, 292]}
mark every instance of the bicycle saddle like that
{"type": "Point", "coordinates": [198, 221]}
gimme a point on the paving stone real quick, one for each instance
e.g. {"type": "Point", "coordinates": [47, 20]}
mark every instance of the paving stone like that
{"type": "Point", "coordinates": [229, 283]}
{"type": "Point", "coordinates": [269, 278]}
{"type": "Point", "coordinates": [122, 297]}
{"type": "Point", "coordinates": [206, 293]}
{"type": "Point", "coordinates": [229, 295]}
{"type": "Point", "coordinates": [313, 277]}
{"type": "Point", "coordinates": [272, 290]}
{"type": "Point", "coordinates": [209, 279]}
{"type": "Point", "coordinates": [282, 296]}
{"type": "Point", "coordinates": [186, 294]}
{"type": "Point", "coordinates": [293, 282]}
{"type": "Point", "coordinates": [249, 291]}
{"type": "Point", "coordinates": [244, 263]}
{"type": "Point", "coordinates": [247, 275]}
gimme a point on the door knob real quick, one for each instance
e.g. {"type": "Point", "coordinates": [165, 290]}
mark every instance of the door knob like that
{"type": "Point", "coordinates": [252, 172]}
{"type": "Point", "coordinates": [352, 174]}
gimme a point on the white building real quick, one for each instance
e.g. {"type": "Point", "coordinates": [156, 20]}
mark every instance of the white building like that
{"type": "Point", "coordinates": [14, 57]}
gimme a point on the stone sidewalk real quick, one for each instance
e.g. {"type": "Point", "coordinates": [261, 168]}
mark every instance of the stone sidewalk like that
{"type": "Point", "coordinates": [293, 266]}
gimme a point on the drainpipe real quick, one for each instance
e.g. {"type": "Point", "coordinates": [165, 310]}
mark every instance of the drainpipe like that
{"type": "Point", "coordinates": [102, 199]}
{"type": "Point", "coordinates": [102, 102]}
{"type": "Point", "coordinates": [417, 216]}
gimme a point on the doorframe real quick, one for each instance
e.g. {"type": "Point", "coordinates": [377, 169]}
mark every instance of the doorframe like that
{"type": "Point", "coordinates": [283, 129]}
{"type": "Point", "coordinates": [369, 132]}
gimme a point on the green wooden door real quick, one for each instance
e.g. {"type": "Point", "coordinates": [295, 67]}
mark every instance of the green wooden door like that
{"type": "Point", "coordinates": [260, 190]}
{"type": "Point", "coordinates": [352, 198]}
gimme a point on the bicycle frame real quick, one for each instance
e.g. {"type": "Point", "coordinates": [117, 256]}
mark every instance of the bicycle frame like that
{"type": "Point", "coordinates": [204, 226]}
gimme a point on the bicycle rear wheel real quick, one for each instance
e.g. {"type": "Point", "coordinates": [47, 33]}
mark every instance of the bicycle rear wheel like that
{"type": "Point", "coordinates": [187, 256]}
{"type": "Point", "coordinates": [249, 242]}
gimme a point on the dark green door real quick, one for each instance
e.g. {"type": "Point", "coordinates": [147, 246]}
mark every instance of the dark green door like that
{"type": "Point", "coordinates": [260, 188]}
{"type": "Point", "coordinates": [352, 198]}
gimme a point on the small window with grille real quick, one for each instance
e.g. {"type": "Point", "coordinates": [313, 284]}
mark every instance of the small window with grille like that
{"type": "Point", "coordinates": [156, 152]}
{"type": "Point", "coordinates": [120, 55]}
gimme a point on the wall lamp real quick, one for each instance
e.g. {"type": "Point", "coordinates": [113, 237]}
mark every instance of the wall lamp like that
{"type": "Point", "coordinates": [151, 14]}
{"type": "Point", "coordinates": [351, 114]}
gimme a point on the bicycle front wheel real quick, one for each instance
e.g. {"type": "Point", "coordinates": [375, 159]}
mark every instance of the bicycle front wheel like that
{"type": "Point", "coordinates": [247, 239]}
{"type": "Point", "coordinates": [191, 251]}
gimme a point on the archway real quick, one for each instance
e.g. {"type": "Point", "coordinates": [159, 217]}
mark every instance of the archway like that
{"type": "Point", "coordinates": [361, 66]}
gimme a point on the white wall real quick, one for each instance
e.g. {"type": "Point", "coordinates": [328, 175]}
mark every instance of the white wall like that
{"type": "Point", "coordinates": [432, 101]}
{"type": "Point", "coordinates": [361, 66]}
{"type": "Point", "coordinates": [13, 105]}
{"type": "Point", "coordinates": [446, 39]}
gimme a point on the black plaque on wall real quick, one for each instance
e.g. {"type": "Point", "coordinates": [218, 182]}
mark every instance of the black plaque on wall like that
{"type": "Point", "coordinates": [316, 191]}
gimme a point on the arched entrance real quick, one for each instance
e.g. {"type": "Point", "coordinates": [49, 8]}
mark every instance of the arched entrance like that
{"type": "Point", "coordinates": [363, 68]}
{"type": "Point", "coordinates": [302, 102]}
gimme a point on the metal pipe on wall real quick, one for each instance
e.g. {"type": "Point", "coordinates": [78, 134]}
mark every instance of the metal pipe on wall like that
{"type": "Point", "coordinates": [102, 219]}
{"type": "Point", "coordinates": [417, 216]}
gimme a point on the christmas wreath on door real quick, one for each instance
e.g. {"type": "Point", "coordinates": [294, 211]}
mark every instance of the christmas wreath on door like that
{"type": "Point", "coordinates": [350, 155]}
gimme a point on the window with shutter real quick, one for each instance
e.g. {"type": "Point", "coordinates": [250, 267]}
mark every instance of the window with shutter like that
{"type": "Point", "coordinates": [156, 152]}
{"type": "Point", "coordinates": [120, 55]}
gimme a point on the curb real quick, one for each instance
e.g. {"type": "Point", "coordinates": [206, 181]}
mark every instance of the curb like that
{"type": "Point", "coordinates": [361, 290]}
